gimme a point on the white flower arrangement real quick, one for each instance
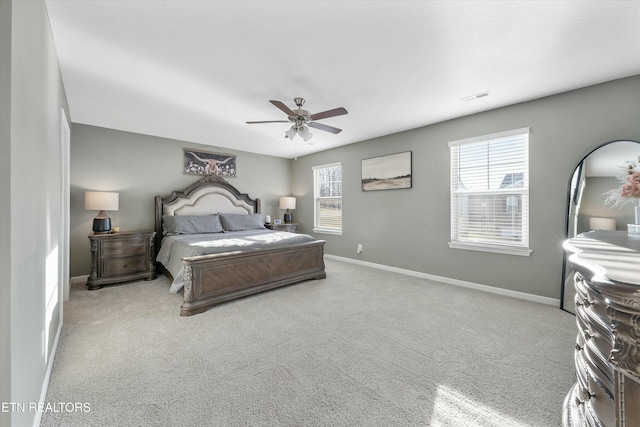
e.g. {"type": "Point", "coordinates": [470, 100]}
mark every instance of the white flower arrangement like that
{"type": "Point", "coordinates": [629, 186]}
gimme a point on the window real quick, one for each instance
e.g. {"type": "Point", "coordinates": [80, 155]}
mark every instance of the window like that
{"type": "Point", "coordinates": [327, 196]}
{"type": "Point", "coordinates": [490, 193]}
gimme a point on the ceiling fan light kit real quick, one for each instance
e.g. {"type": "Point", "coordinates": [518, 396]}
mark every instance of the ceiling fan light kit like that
{"type": "Point", "coordinates": [301, 130]}
{"type": "Point", "coordinates": [302, 120]}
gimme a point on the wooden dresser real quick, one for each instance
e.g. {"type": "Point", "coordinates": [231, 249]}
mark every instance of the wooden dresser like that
{"type": "Point", "coordinates": [607, 355]}
{"type": "Point", "coordinates": [121, 257]}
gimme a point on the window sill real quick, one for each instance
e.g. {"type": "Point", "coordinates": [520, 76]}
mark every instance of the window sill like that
{"type": "Point", "coordinates": [327, 231]}
{"type": "Point", "coordinates": [491, 248]}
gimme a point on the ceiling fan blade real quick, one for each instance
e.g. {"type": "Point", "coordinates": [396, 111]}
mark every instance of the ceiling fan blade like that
{"type": "Point", "coordinates": [268, 121]}
{"type": "Point", "coordinates": [324, 127]}
{"type": "Point", "coordinates": [283, 107]}
{"type": "Point", "coordinates": [329, 113]}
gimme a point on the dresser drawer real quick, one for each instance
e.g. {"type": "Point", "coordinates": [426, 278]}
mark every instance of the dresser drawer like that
{"type": "Point", "coordinates": [591, 300]}
{"type": "Point", "coordinates": [122, 266]}
{"type": "Point", "coordinates": [594, 334]}
{"type": "Point", "coordinates": [124, 247]}
{"type": "Point", "coordinates": [598, 369]}
{"type": "Point", "coordinates": [289, 227]}
{"type": "Point", "coordinates": [594, 394]}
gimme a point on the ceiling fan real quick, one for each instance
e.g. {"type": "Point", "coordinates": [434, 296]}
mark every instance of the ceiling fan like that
{"type": "Point", "coordinates": [302, 120]}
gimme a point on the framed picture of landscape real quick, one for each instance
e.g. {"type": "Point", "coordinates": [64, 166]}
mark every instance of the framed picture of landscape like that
{"type": "Point", "coordinates": [389, 172]}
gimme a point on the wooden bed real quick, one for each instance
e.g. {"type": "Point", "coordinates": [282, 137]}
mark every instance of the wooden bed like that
{"type": "Point", "coordinates": [216, 278]}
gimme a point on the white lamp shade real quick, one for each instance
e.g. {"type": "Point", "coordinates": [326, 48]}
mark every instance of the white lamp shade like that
{"type": "Point", "coordinates": [291, 133]}
{"type": "Point", "coordinates": [287, 202]}
{"type": "Point", "coordinates": [305, 134]}
{"type": "Point", "coordinates": [303, 131]}
{"type": "Point", "coordinates": [101, 201]}
{"type": "Point", "coordinates": [602, 223]}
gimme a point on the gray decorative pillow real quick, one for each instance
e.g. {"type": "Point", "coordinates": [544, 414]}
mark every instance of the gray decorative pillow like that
{"type": "Point", "coordinates": [239, 222]}
{"type": "Point", "coordinates": [192, 224]}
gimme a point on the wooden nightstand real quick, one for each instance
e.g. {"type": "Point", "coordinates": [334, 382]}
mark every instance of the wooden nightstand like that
{"type": "Point", "coordinates": [121, 257]}
{"type": "Point", "coordinates": [291, 227]}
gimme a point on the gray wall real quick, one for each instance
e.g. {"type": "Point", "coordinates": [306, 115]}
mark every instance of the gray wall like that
{"type": "Point", "coordinates": [31, 191]}
{"type": "Point", "coordinates": [409, 228]}
{"type": "Point", "coordinates": [592, 203]}
{"type": "Point", "coordinates": [139, 167]}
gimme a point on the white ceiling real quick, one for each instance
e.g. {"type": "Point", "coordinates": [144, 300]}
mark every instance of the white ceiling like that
{"type": "Point", "coordinates": [198, 70]}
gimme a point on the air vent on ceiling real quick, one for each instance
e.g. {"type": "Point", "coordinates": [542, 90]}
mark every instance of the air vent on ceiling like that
{"type": "Point", "coordinates": [476, 96]}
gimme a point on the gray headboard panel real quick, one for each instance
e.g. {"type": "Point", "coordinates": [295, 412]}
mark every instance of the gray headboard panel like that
{"type": "Point", "coordinates": [208, 195]}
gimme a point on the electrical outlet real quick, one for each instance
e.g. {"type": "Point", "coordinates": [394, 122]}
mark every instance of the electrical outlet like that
{"type": "Point", "coordinates": [359, 250]}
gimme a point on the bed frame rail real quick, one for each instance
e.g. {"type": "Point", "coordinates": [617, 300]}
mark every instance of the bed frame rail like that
{"type": "Point", "coordinates": [217, 278]}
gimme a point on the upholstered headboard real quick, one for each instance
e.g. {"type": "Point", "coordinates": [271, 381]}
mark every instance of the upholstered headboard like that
{"type": "Point", "coordinates": [208, 195]}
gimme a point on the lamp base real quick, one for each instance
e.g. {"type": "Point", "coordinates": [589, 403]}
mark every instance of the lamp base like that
{"type": "Point", "coordinates": [288, 218]}
{"type": "Point", "coordinates": [102, 225]}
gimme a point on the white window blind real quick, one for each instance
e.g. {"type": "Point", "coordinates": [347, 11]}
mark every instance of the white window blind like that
{"type": "Point", "coordinates": [328, 198]}
{"type": "Point", "coordinates": [490, 192]}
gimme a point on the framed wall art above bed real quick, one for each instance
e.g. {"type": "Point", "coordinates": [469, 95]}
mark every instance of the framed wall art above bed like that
{"type": "Point", "coordinates": [205, 163]}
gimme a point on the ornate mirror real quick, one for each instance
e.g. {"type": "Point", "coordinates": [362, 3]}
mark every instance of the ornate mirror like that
{"type": "Point", "coordinates": [596, 174]}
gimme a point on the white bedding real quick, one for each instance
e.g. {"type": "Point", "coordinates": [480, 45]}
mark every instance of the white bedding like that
{"type": "Point", "coordinates": [176, 247]}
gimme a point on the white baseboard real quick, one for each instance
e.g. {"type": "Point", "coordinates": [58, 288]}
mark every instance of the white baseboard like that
{"type": "Point", "coordinates": [456, 282]}
{"type": "Point", "coordinates": [45, 384]}
{"type": "Point", "coordinates": [78, 280]}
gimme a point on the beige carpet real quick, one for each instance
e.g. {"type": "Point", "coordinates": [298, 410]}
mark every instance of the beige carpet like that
{"type": "Point", "coordinates": [363, 347]}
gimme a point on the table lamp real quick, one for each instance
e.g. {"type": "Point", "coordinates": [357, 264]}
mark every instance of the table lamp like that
{"type": "Point", "coordinates": [101, 201]}
{"type": "Point", "coordinates": [288, 203]}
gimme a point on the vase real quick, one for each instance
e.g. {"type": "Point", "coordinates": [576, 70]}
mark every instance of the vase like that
{"type": "Point", "coordinates": [637, 214]}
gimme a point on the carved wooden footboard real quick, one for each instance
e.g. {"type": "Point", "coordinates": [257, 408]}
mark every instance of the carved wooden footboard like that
{"type": "Point", "coordinates": [216, 278]}
{"type": "Point", "coordinates": [213, 279]}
